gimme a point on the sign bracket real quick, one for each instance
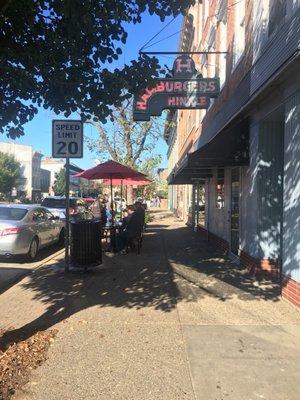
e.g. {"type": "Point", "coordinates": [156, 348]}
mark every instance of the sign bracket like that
{"type": "Point", "coordinates": [181, 52]}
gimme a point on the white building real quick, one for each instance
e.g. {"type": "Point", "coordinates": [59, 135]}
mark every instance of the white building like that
{"type": "Point", "coordinates": [30, 160]}
{"type": "Point", "coordinates": [54, 166]}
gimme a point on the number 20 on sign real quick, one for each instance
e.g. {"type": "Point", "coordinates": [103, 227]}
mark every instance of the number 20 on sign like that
{"type": "Point", "coordinates": [67, 139]}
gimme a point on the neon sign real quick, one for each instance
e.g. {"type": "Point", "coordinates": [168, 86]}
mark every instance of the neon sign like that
{"type": "Point", "coordinates": [186, 89]}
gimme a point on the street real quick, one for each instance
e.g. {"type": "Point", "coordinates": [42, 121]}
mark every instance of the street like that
{"type": "Point", "coordinates": [180, 321]}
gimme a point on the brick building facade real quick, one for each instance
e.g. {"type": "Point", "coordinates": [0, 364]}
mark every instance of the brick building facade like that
{"type": "Point", "coordinates": [234, 169]}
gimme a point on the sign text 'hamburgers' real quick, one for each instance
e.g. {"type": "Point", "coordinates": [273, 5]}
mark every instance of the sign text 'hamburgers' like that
{"type": "Point", "coordinates": [186, 89]}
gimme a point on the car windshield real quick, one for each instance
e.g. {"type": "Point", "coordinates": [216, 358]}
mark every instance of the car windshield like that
{"type": "Point", "coordinates": [12, 214]}
{"type": "Point", "coordinates": [56, 203]}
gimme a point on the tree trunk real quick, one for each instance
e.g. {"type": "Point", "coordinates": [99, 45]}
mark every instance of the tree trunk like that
{"type": "Point", "coordinates": [129, 194]}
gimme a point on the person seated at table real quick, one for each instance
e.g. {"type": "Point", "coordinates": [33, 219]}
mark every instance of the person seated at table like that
{"type": "Point", "coordinates": [140, 210]}
{"type": "Point", "coordinates": [98, 209]}
{"type": "Point", "coordinates": [103, 214]}
{"type": "Point", "coordinates": [129, 230]}
{"type": "Point", "coordinates": [125, 218]}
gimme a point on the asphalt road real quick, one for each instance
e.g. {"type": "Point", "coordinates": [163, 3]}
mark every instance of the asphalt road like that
{"type": "Point", "coordinates": [12, 270]}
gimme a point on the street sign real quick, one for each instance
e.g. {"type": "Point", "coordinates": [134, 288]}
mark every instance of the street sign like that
{"type": "Point", "coordinates": [67, 139]}
{"type": "Point", "coordinates": [67, 142]}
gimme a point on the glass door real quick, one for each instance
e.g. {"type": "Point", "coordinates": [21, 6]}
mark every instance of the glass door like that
{"type": "Point", "coordinates": [199, 205]}
{"type": "Point", "coordinates": [235, 211]}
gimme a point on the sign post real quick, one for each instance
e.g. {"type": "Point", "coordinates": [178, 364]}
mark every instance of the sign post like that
{"type": "Point", "coordinates": [67, 230]}
{"type": "Point", "coordinates": [67, 142]}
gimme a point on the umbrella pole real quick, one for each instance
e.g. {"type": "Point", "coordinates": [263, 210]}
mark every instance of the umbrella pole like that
{"type": "Point", "coordinates": [113, 232]}
{"type": "Point", "coordinates": [111, 201]}
{"type": "Point", "coordinates": [121, 196]}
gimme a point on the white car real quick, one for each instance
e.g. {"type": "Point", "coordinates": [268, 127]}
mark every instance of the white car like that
{"type": "Point", "coordinates": [25, 229]}
{"type": "Point", "coordinates": [57, 205]}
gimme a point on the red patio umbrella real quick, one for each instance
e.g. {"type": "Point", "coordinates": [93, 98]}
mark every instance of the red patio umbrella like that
{"type": "Point", "coordinates": [128, 182]}
{"type": "Point", "coordinates": [111, 170]}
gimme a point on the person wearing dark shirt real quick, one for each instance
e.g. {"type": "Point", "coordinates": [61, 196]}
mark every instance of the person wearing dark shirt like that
{"type": "Point", "coordinates": [131, 230]}
{"type": "Point", "coordinates": [103, 214]}
{"type": "Point", "coordinates": [127, 213]}
{"type": "Point", "coordinates": [140, 211]}
{"type": "Point", "coordinates": [123, 235]}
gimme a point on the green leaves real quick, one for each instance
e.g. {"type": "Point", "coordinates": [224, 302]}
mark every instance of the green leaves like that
{"type": "Point", "coordinates": [9, 173]}
{"type": "Point", "coordinates": [60, 183]}
{"type": "Point", "coordinates": [52, 53]}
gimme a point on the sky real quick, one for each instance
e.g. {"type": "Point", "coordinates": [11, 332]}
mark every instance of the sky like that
{"type": "Point", "coordinates": [38, 131]}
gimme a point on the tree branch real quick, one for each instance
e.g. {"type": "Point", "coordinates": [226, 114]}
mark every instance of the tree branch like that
{"type": "Point", "coordinates": [146, 128]}
{"type": "Point", "coordinates": [105, 140]}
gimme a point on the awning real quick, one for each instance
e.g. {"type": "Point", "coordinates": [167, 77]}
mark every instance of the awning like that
{"type": "Point", "coordinates": [187, 174]}
{"type": "Point", "coordinates": [229, 148]}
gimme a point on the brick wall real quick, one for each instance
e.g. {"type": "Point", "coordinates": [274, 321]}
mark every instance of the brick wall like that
{"type": "Point", "coordinates": [233, 76]}
{"type": "Point", "coordinates": [256, 266]}
{"type": "Point", "coordinates": [291, 290]}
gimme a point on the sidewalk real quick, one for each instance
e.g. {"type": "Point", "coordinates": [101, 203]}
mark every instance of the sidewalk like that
{"type": "Point", "coordinates": [177, 322]}
{"type": "Point", "coordinates": [13, 270]}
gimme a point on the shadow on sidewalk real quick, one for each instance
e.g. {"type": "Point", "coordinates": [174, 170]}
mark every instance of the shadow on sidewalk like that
{"type": "Point", "coordinates": [221, 277]}
{"type": "Point", "coordinates": [138, 281]}
{"type": "Point", "coordinates": [132, 281]}
{"type": "Point", "coordinates": [11, 273]}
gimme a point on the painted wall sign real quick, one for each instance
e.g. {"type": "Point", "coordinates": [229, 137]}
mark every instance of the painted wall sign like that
{"type": "Point", "coordinates": [185, 89]}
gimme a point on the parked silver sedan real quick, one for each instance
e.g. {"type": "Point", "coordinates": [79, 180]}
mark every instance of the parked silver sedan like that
{"type": "Point", "coordinates": [25, 229]}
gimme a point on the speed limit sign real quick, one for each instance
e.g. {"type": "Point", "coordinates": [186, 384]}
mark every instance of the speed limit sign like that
{"type": "Point", "coordinates": [67, 139]}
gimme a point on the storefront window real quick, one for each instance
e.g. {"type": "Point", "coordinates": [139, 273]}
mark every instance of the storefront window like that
{"type": "Point", "coordinates": [199, 205]}
{"type": "Point", "coordinates": [220, 190]}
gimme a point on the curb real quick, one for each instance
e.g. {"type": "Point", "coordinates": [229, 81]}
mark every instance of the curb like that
{"type": "Point", "coordinates": [196, 280]}
{"type": "Point", "coordinates": [46, 260]}
{"type": "Point", "coordinates": [13, 281]}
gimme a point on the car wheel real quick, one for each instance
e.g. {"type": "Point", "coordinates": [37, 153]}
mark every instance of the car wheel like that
{"type": "Point", "coordinates": [61, 239]}
{"type": "Point", "coordinates": [33, 250]}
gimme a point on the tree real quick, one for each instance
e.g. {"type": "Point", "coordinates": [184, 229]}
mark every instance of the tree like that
{"type": "Point", "coordinates": [126, 141]}
{"type": "Point", "coordinates": [59, 186]}
{"type": "Point", "coordinates": [58, 54]}
{"type": "Point", "coordinates": [9, 173]}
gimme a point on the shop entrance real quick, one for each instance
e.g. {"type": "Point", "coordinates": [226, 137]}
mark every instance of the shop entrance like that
{"type": "Point", "coordinates": [235, 211]}
{"type": "Point", "coordinates": [199, 205]}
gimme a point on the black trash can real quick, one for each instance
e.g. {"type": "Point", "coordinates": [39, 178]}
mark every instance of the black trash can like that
{"type": "Point", "coordinates": [86, 248]}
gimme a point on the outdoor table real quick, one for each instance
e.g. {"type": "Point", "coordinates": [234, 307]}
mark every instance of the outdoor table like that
{"type": "Point", "coordinates": [112, 230]}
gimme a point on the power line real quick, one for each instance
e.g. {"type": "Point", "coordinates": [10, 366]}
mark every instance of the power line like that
{"type": "Point", "coordinates": [182, 52]}
{"type": "Point", "coordinates": [159, 41]}
{"type": "Point", "coordinates": [158, 33]}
